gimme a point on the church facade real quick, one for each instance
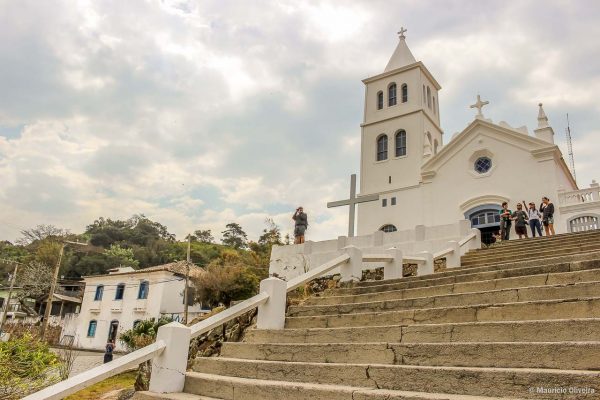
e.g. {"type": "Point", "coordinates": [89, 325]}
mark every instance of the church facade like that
{"type": "Point", "coordinates": [421, 180]}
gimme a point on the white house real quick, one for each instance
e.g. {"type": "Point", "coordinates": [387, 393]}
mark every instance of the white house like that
{"type": "Point", "coordinates": [421, 180]}
{"type": "Point", "coordinates": [114, 302]}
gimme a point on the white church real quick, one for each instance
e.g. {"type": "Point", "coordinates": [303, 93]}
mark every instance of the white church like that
{"type": "Point", "coordinates": [421, 179]}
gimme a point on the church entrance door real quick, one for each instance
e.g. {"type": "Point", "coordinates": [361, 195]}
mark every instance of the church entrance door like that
{"type": "Point", "coordinates": [486, 218]}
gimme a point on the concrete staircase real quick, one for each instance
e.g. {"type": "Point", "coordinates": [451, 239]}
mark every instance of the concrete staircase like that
{"type": "Point", "coordinates": [520, 320]}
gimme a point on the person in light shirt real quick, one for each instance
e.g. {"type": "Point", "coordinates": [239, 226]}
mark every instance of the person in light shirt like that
{"type": "Point", "coordinates": [535, 217]}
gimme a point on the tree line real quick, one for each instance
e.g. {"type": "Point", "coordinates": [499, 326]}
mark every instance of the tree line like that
{"type": "Point", "coordinates": [235, 265]}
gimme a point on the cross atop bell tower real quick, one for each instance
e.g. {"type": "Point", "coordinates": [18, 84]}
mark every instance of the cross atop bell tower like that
{"type": "Point", "coordinates": [401, 32]}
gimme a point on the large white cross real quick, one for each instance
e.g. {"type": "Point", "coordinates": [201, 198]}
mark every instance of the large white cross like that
{"type": "Point", "coordinates": [352, 202]}
{"type": "Point", "coordinates": [401, 32]}
{"type": "Point", "coordinates": [479, 105]}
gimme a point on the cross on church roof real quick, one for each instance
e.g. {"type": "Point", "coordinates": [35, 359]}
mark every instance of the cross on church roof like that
{"type": "Point", "coordinates": [479, 105]}
{"type": "Point", "coordinates": [401, 32]}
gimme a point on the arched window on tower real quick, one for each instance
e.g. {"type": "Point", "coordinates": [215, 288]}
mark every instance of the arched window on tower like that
{"type": "Point", "coordinates": [392, 95]}
{"type": "Point", "coordinates": [435, 146]}
{"type": "Point", "coordinates": [401, 143]}
{"type": "Point", "coordinates": [428, 97]}
{"type": "Point", "coordinates": [382, 147]}
{"type": "Point", "coordinates": [379, 100]}
{"type": "Point", "coordinates": [424, 96]}
{"type": "Point", "coordinates": [404, 89]}
{"type": "Point", "coordinates": [434, 104]}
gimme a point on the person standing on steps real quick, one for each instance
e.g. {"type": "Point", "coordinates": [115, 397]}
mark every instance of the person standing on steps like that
{"type": "Point", "coordinates": [520, 217]}
{"type": "Point", "coordinates": [548, 216]}
{"type": "Point", "coordinates": [301, 224]}
{"type": "Point", "coordinates": [505, 222]}
{"type": "Point", "coordinates": [534, 219]}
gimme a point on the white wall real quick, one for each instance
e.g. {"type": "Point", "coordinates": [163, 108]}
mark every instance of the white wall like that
{"type": "Point", "coordinates": [293, 260]}
{"type": "Point", "coordinates": [517, 175]}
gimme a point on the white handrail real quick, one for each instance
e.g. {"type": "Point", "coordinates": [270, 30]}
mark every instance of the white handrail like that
{"type": "Point", "coordinates": [378, 257]}
{"type": "Point", "coordinates": [227, 315]}
{"type": "Point", "coordinates": [316, 272]}
{"type": "Point", "coordinates": [443, 253]}
{"type": "Point", "coordinates": [414, 259]}
{"type": "Point", "coordinates": [467, 239]}
{"type": "Point", "coordinates": [97, 374]}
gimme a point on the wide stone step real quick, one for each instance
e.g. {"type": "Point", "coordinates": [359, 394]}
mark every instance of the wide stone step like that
{"type": "Point", "coordinates": [546, 309]}
{"type": "Point", "coordinates": [555, 240]}
{"type": "Point", "coordinates": [583, 329]}
{"type": "Point", "coordinates": [235, 388]}
{"type": "Point", "coordinates": [509, 382]}
{"type": "Point", "coordinates": [565, 259]}
{"type": "Point", "coordinates": [546, 240]}
{"type": "Point", "coordinates": [563, 278]}
{"type": "Point", "coordinates": [170, 396]}
{"type": "Point", "coordinates": [512, 295]}
{"type": "Point", "coordinates": [568, 259]}
{"type": "Point", "coordinates": [558, 355]}
{"type": "Point", "coordinates": [466, 276]}
{"type": "Point", "coordinates": [528, 255]}
{"type": "Point", "coordinates": [524, 246]}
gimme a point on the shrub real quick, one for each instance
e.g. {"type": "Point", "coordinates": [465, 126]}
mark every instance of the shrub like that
{"type": "Point", "coordinates": [26, 366]}
{"type": "Point", "coordinates": [224, 284]}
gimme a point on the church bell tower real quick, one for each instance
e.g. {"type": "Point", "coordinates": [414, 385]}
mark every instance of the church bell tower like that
{"type": "Point", "coordinates": [401, 125]}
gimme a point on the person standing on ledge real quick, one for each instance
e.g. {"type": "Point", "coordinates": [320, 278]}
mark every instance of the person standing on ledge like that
{"type": "Point", "coordinates": [301, 220]}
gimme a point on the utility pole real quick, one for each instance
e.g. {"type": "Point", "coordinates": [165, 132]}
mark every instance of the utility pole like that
{"type": "Point", "coordinates": [46, 319]}
{"type": "Point", "coordinates": [187, 278]}
{"type": "Point", "coordinates": [12, 285]}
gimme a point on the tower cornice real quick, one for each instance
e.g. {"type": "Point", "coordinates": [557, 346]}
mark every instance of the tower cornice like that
{"type": "Point", "coordinates": [418, 64]}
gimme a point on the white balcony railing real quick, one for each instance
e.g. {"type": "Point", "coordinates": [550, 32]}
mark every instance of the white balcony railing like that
{"type": "Point", "coordinates": [170, 351]}
{"type": "Point", "coordinates": [581, 196]}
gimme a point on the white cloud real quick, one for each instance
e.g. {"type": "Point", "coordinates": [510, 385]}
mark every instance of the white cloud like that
{"type": "Point", "coordinates": [202, 113]}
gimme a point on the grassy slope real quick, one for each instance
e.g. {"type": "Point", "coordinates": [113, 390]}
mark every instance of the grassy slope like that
{"type": "Point", "coordinates": [94, 392]}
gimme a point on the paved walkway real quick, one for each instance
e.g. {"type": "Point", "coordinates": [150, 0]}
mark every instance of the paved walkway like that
{"type": "Point", "coordinates": [86, 360]}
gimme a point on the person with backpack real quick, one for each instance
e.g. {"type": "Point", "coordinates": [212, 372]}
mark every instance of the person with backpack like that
{"type": "Point", "coordinates": [534, 217]}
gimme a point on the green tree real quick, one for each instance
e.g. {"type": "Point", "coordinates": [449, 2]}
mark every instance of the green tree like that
{"type": "Point", "coordinates": [119, 256]}
{"type": "Point", "coordinates": [141, 335]}
{"type": "Point", "coordinates": [224, 284]}
{"type": "Point", "coordinates": [234, 236]}
{"type": "Point", "coordinates": [204, 236]}
{"type": "Point", "coordinates": [42, 232]}
{"type": "Point", "coordinates": [26, 366]}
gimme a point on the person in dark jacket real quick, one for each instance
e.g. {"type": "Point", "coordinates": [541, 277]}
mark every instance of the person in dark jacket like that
{"type": "Point", "coordinates": [108, 352]}
{"type": "Point", "coordinates": [301, 224]}
{"type": "Point", "coordinates": [547, 209]}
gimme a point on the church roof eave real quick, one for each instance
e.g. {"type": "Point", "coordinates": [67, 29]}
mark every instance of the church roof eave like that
{"type": "Point", "coordinates": [417, 64]}
{"type": "Point", "coordinates": [453, 145]}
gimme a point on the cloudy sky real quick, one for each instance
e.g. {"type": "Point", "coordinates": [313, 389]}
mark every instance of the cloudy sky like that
{"type": "Point", "coordinates": [199, 113]}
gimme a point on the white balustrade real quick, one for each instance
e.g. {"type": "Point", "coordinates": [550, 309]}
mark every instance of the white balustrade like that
{"type": "Point", "coordinates": [579, 196]}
